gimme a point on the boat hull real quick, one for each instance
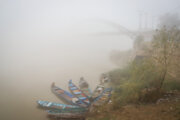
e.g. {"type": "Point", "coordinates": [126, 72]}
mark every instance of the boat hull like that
{"type": "Point", "coordinates": [103, 98]}
{"type": "Point", "coordinates": [66, 96]}
{"type": "Point", "coordinates": [97, 92]}
{"type": "Point", "coordinates": [78, 93]}
{"type": "Point", "coordinates": [47, 104]}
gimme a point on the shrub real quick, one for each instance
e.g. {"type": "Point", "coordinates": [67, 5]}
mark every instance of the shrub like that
{"type": "Point", "coordinates": [130, 82]}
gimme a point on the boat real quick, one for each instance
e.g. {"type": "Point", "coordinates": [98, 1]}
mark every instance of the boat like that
{"type": "Point", "coordinates": [97, 92]}
{"type": "Point", "coordinates": [78, 93]}
{"type": "Point", "coordinates": [84, 86]}
{"type": "Point", "coordinates": [87, 92]}
{"type": "Point", "coordinates": [66, 96]}
{"type": "Point", "coordinates": [104, 97]}
{"type": "Point", "coordinates": [66, 113]}
{"type": "Point", "coordinates": [48, 104]}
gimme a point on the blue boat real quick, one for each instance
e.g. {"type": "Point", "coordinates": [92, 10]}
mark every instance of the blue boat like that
{"type": "Point", "coordinates": [48, 104]}
{"type": "Point", "coordinates": [103, 98]}
{"type": "Point", "coordinates": [78, 93]}
{"type": "Point", "coordinates": [66, 96]}
{"type": "Point", "coordinates": [97, 92]}
{"type": "Point", "coordinates": [84, 86]}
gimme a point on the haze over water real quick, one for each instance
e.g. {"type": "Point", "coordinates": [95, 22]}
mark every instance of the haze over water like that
{"type": "Point", "coordinates": [29, 69]}
{"type": "Point", "coordinates": [53, 41]}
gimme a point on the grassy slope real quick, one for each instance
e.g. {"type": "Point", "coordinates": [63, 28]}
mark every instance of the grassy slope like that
{"type": "Point", "coordinates": [167, 109]}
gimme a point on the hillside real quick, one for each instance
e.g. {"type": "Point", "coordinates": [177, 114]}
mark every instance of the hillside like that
{"type": "Point", "coordinates": [166, 108]}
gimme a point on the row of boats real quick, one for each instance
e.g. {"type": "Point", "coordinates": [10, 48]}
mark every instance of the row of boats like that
{"type": "Point", "coordinates": [80, 100]}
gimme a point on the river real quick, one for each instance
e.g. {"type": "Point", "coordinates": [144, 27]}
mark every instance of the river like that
{"type": "Point", "coordinates": [30, 64]}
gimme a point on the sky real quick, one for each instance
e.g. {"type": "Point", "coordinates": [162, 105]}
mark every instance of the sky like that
{"type": "Point", "coordinates": [68, 21]}
{"type": "Point", "coordinates": [64, 14]}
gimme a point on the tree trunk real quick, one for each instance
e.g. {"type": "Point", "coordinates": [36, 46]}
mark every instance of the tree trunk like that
{"type": "Point", "coordinates": [162, 79]}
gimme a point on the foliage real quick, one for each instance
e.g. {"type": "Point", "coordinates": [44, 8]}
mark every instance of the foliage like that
{"type": "Point", "coordinates": [143, 79]}
{"type": "Point", "coordinates": [130, 82]}
{"type": "Point", "coordinates": [171, 85]}
{"type": "Point", "coordinates": [165, 47]}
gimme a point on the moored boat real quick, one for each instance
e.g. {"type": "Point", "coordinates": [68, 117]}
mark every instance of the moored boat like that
{"type": "Point", "coordinates": [48, 104]}
{"type": "Point", "coordinates": [104, 97]}
{"type": "Point", "coordinates": [87, 91]}
{"type": "Point", "coordinates": [104, 83]}
{"type": "Point", "coordinates": [78, 93]}
{"type": "Point", "coordinates": [97, 92]}
{"type": "Point", "coordinates": [84, 86]}
{"type": "Point", "coordinates": [66, 96]}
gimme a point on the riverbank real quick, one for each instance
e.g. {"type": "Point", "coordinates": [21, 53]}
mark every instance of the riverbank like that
{"type": "Point", "coordinates": [166, 108]}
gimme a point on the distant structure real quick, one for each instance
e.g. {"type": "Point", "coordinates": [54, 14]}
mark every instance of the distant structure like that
{"type": "Point", "coordinates": [121, 58]}
{"type": "Point", "coordinates": [146, 21]}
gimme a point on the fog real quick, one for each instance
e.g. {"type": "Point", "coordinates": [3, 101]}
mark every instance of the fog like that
{"type": "Point", "coordinates": [45, 41]}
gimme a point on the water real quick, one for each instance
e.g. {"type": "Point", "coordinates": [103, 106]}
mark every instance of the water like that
{"type": "Point", "coordinates": [28, 67]}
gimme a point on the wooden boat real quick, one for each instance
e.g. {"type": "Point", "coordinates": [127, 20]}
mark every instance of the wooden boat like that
{"type": "Point", "coordinates": [65, 113]}
{"type": "Point", "coordinates": [97, 92]}
{"type": "Point", "coordinates": [84, 86]}
{"type": "Point", "coordinates": [66, 96]}
{"type": "Point", "coordinates": [87, 91]}
{"type": "Point", "coordinates": [48, 104]}
{"type": "Point", "coordinates": [78, 93]}
{"type": "Point", "coordinates": [103, 98]}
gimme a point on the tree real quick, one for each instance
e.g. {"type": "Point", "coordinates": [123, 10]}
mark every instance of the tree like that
{"type": "Point", "coordinates": [165, 46]}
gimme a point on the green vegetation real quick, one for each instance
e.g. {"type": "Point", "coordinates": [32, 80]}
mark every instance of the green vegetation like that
{"type": "Point", "coordinates": [151, 73]}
